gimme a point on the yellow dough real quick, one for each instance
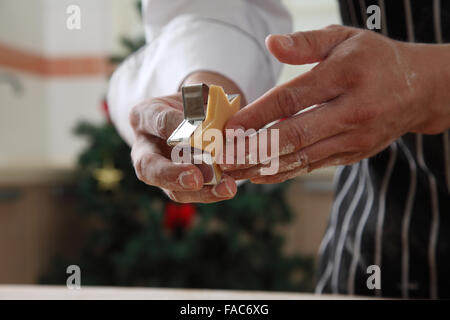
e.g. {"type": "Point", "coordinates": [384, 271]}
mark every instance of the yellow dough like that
{"type": "Point", "coordinates": [218, 111]}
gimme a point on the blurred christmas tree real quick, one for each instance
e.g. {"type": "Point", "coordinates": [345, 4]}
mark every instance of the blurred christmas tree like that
{"type": "Point", "coordinates": [141, 238]}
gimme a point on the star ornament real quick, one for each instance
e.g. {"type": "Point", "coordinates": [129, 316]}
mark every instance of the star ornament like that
{"type": "Point", "coordinates": [108, 177]}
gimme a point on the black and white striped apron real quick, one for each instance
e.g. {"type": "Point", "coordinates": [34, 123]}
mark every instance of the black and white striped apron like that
{"type": "Point", "coordinates": [393, 210]}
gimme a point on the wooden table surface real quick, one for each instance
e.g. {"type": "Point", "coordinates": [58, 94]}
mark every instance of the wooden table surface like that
{"type": "Point", "coordinates": [8, 292]}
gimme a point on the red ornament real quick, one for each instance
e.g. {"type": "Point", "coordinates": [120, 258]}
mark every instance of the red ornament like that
{"type": "Point", "coordinates": [178, 215]}
{"type": "Point", "coordinates": [105, 110]}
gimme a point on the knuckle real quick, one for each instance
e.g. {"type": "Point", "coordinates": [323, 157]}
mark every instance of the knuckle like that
{"type": "Point", "coordinates": [302, 158]}
{"type": "Point", "coordinates": [153, 116]}
{"type": "Point", "coordinates": [297, 136]}
{"type": "Point", "coordinates": [360, 115]}
{"type": "Point", "coordinates": [334, 26]}
{"type": "Point", "coordinates": [138, 114]}
{"type": "Point", "coordinates": [310, 40]}
{"type": "Point", "coordinates": [135, 117]}
{"type": "Point", "coordinates": [162, 123]}
{"type": "Point", "coordinates": [138, 168]}
{"type": "Point", "coordinates": [286, 100]}
{"type": "Point", "coordinates": [141, 165]}
{"type": "Point", "coordinates": [366, 37]}
{"type": "Point", "coordinates": [345, 31]}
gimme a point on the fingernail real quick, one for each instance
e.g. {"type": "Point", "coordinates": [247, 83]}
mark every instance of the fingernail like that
{"type": "Point", "coordinates": [222, 190]}
{"type": "Point", "coordinates": [285, 41]}
{"type": "Point", "coordinates": [188, 180]}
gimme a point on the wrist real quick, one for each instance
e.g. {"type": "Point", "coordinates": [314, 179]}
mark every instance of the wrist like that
{"type": "Point", "coordinates": [210, 78]}
{"type": "Point", "coordinates": [433, 72]}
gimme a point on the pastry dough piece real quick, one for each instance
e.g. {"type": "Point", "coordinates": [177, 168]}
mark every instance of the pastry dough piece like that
{"type": "Point", "coordinates": [219, 110]}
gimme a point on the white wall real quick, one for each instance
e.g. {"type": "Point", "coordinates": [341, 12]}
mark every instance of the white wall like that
{"type": "Point", "coordinates": [21, 24]}
{"type": "Point", "coordinates": [95, 36]}
{"type": "Point", "coordinates": [23, 122]}
{"type": "Point", "coordinates": [36, 125]}
{"type": "Point", "coordinates": [69, 101]}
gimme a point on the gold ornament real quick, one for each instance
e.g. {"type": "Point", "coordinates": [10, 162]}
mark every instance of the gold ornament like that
{"type": "Point", "coordinates": [108, 177]}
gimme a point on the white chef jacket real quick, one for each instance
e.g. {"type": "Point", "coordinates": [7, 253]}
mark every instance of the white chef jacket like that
{"type": "Point", "coordinates": [184, 36]}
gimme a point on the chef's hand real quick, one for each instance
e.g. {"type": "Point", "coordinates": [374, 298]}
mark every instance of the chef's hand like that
{"type": "Point", "coordinates": [153, 121]}
{"type": "Point", "coordinates": [369, 91]}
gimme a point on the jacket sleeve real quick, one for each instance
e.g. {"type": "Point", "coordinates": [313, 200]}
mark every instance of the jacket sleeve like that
{"type": "Point", "coordinates": [184, 36]}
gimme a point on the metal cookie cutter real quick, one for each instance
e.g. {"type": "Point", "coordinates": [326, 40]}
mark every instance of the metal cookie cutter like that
{"type": "Point", "coordinates": [195, 99]}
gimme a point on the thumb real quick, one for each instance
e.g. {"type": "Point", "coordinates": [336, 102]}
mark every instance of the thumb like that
{"type": "Point", "coordinates": [309, 46]}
